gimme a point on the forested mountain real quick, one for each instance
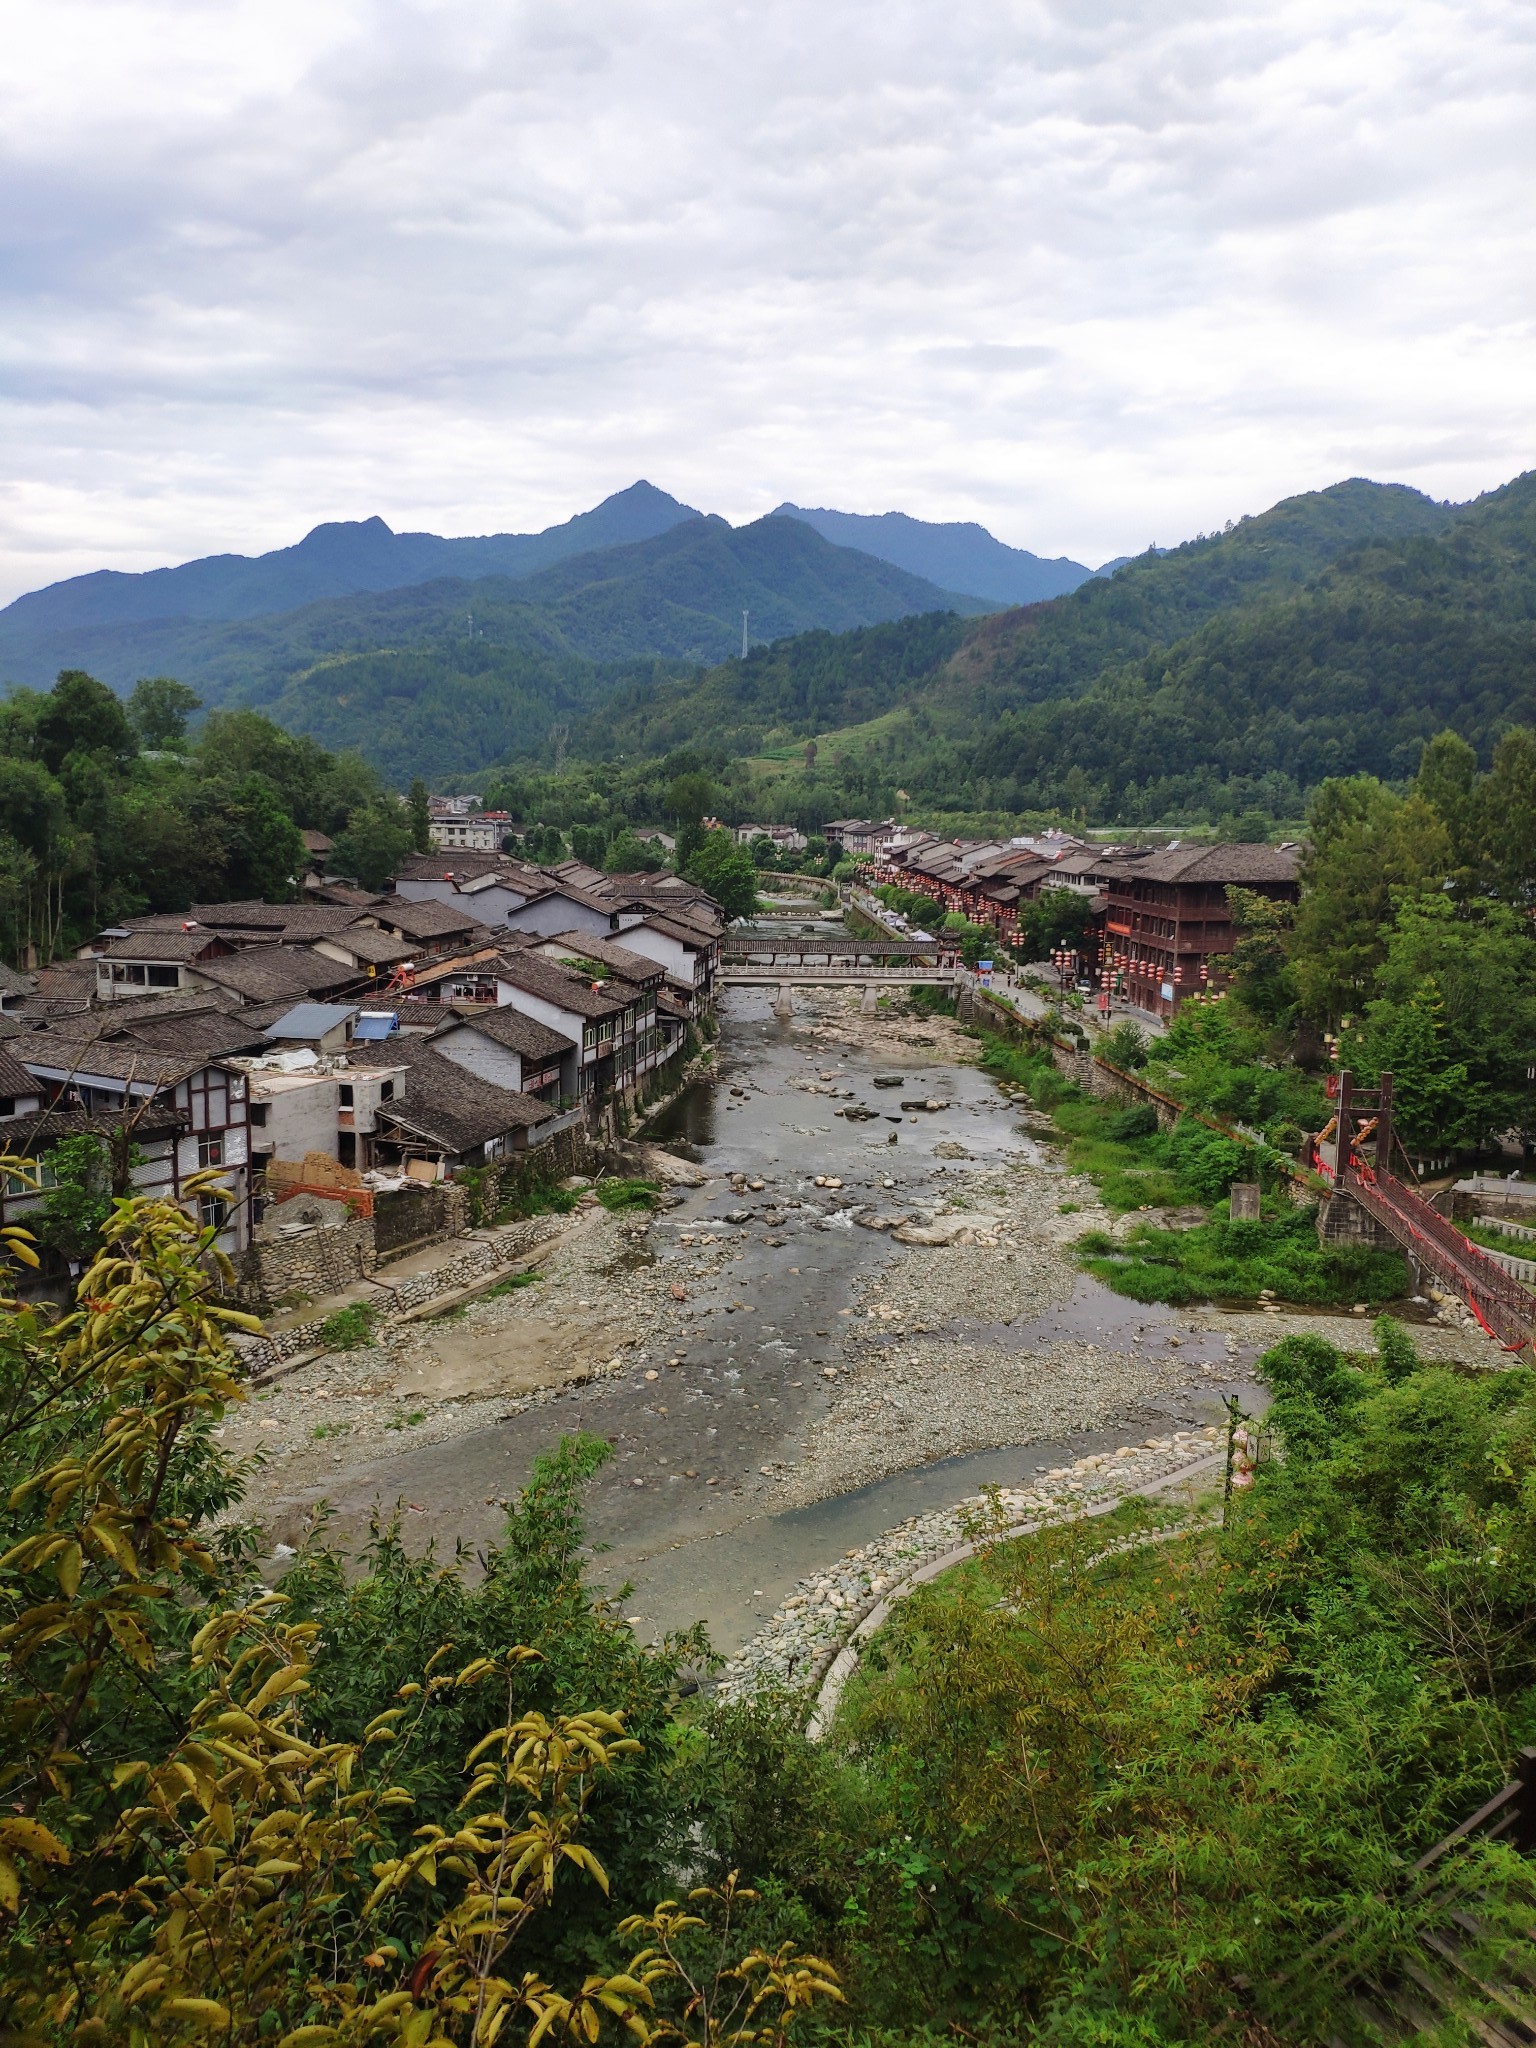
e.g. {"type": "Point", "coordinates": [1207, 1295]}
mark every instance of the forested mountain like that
{"type": "Point", "coordinates": [957, 554]}
{"type": "Point", "coordinates": [1334, 633]}
{"type": "Point", "coordinates": [445, 677]}
{"type": "Point", "coordinates": [40, 632]}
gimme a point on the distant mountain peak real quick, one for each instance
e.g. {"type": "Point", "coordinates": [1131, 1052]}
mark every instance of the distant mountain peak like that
{"type": "Point", "coordinates": [957, 554]}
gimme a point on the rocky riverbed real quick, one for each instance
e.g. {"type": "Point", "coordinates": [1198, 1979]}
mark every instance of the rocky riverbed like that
{"type": "Point", "coordinates": [866, 1301]}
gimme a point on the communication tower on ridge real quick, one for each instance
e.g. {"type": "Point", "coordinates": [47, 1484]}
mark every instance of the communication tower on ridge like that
{"type": "Point", "coordinates": [744, 617]}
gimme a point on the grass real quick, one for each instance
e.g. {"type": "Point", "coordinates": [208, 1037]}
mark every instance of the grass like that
{"type": "Point", "coordinates": [1497, 1240]}
{"type": "Point", "coordinates": [349, 1329]}
{"type": "Point", "coordinates": [1279, 1254]}
{"type": "Point", "coordinates": [1136, 1165]}
{"type": "Point", "coordinates": [622, 1195]}
{"type": "Point", "coordinates": [406, 1421]}
{"type": "Point", "coordinates": [511, 1285]}
{"type": "Point", "coordinates": [324, 1429]}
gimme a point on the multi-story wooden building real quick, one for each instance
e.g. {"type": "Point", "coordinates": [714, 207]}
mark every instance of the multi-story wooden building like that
{"type": "Point", "coordinates": [1168, 923]}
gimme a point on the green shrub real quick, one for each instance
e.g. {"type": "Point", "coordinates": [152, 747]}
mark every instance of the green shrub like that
{"type": "Point", "coordinates": [1139, 1121]}
{"type": "Point", "coordinates": [1224, 1261]}
{"type": "Point", "coordinates": [349, 1329]}
{"type": "Point", "coordinates": [620, 1195]}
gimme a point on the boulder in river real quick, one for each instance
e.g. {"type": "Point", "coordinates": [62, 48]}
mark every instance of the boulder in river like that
{"type": "Point", "coordinates": [889, 1080]}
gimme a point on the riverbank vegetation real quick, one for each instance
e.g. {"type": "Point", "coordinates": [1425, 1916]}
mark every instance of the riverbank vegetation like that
{"type": "Point", "coordinates": [398, 1800]}
{"type": "Point", "coordinates": [1138, 1165]}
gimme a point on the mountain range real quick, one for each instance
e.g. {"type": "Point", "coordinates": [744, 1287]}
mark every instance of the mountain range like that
{"type": "Point", "coordinates": [124, 623]}
{"type": "Point", "coordinates": [1331, 635]}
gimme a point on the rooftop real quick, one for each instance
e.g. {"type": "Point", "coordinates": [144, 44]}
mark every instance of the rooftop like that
{"type": "Point", "coordinates": [311, 1020]}
{"type": "Point", "coordinates": [509, 1027]}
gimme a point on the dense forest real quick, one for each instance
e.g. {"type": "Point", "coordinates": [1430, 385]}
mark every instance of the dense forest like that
{"type": "Point", "coordinates": [106, 809]}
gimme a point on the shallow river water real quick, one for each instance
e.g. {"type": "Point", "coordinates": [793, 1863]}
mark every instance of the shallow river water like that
{"type": "Point", "coordinates": [756, 1334]}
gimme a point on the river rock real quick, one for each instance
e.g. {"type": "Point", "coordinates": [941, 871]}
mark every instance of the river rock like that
{"type": "Point", "coordinates": [889, 1080]}
{"type": "Point", "coordinates": [949, 1149]}
{"type": "Point", "coordinates": [658, 1164]}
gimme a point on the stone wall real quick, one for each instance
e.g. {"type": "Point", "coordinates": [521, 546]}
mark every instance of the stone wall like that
{"type": "Point", "coordinates": [1341, 1221]}
{"type": "Point", "coordinates": [477, 1258]}
{"type": "Point", "coordinates": [311, 1262]}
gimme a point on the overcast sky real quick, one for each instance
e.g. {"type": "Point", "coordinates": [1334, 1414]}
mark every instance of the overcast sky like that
{"type": "Point", "coordinates": [1095, 273]}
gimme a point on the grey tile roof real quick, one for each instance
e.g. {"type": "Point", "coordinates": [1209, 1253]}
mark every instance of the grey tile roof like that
{"type": "Point", "coordinates": [631, 967]}
{"type": "Point", "coordinates": [165, 945]}
{"type": "Point", "coordinates": [265, 974]}
{"type": "Point", "coordinates": [426, 920]}
{"type": "Point", "coordinates": [558, 985]}
{"type": "Point", "coordinates": [446, 1105]}
{"type": "Point", "coordinates": [1216, 864]}
{"type": "Point", "coordinates": [506, 1026]}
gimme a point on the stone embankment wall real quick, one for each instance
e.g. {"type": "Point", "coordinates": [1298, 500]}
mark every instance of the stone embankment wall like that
{"type": "Point", "coordinates": [481, 1256]}
{"type": "Point", "coordinates": [318, 1261]}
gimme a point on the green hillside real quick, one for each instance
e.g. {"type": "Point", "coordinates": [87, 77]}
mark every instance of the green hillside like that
{"type": "Point", "coordinates": [443, 678]}
{"type": "Point", "coordinates": [1336, 632]}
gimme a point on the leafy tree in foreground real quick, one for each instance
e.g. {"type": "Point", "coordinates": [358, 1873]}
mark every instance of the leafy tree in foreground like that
{"type": "Point", "coordinates": [186, 1851]}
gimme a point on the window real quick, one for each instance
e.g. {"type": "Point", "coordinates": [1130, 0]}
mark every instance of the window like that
{"type": "Point", "coordinates": [210, 1149]}
{"type": "Point", "coordinates": [165, 977]}
{"type": "Point", "coordinates": [386, 1091]}
{"type": "Point", "coordinates": [210, 1212]}
{"type": "Point", "coordinates": [259, 1115]}
{"type": "Point", "coordinates": [344, 1094]}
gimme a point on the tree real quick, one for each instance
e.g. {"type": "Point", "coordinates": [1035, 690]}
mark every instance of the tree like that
{"type": "Point", "coordinates": [1261, 973]}
{"type": "Point", "coordinates": [375, 843]}
{"type": "Point", "coordinates": [726, 871]}
{"type": "Point", "coordinates": [1506, 813]}
{"type": "Point", "coordinates": [82, 716]}
{"type": "Point", "coordinates": [1365, 844]}
{"type": "Point", "coordinates": [266, 855]}
{"type": "Point", "coordinates": [1056, 917]}
{"type": "Point", "coordinates": [1474, 966]}
{"type": "Point", "coordinates": [688, 799]}
{"type": "Point", "coordinates": [631, 856]}
{"type": "Point", "coordinates": [1433, 1100]}
{"type": "Point", "coordinates": [158, 711]}
{"type": "Point", "coordinates": [190, 1849]}
{"type": "Point", "coordinates": [421, 816]}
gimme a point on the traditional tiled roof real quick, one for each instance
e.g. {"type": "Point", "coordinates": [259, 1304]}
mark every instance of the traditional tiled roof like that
{"type": "Point", "coordinates": [425, 920]}
{"type": "Point", "coordinates": [128, 1060]}
{"type": "Point", "coordinates": [674, 928]}
{"type": "Point", "coordinates": [14, 1078]}
{"type": "Point", "coordinates": [164, 945]}
{"type": "Point", "coordinates": [372, 947]}
{"type": "Point", "coordinates": [1216, 864]}
{"type": "Point", "coordinates": [264, 974]}
{"type": "Point", "coordinates": [558, 985]}
{"type": "Point", "coordinates": [446, 1105]}
{"type": "Point", "coordinates": [506, 1026]}
{"type": "Point", "coordinates": [210, 1033]}
{"type": "Point", "coordinates": [628, 966]}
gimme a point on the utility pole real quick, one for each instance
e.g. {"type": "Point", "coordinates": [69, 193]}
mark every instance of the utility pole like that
{"type": "Point", "coordinates": [744, 617]}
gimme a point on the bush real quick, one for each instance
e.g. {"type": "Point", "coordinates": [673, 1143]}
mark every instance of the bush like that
{"type": "Point", "coordinates": [349, 1329]}
{"type": "Point", "coordinates": [1139, 1121]}
{"type": "Point", "coordinates": [1125, 1046]}
{"type": "Point", "coordinates": [1224, 1261]}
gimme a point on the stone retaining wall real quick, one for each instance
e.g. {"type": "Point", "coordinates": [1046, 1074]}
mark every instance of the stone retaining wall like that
{"type": "Point", "coordinates": [796, 1648]}
{"type": "Point", "coordinates": [319, 1261]}
{"type": "Point", "coordinates": [479, 1257]}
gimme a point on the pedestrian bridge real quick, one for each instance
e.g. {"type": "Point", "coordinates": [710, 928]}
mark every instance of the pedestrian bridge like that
{"type": "Point", "coordinates": [815, 959]}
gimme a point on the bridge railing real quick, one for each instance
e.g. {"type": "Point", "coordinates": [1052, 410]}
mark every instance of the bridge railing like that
{"type": "Point", "coordinates": [1494, 1296]}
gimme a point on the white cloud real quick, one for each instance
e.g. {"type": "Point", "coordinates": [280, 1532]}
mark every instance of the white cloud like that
{"type": "Point", "coordinates": [1092, 273]}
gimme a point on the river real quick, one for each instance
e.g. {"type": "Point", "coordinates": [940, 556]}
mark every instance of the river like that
{"type": "Point", "coordinates": [832, 1381]}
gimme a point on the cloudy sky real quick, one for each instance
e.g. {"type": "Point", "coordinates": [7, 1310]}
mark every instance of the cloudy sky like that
{"type": "Point", "coordinates": [1095, 273]}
